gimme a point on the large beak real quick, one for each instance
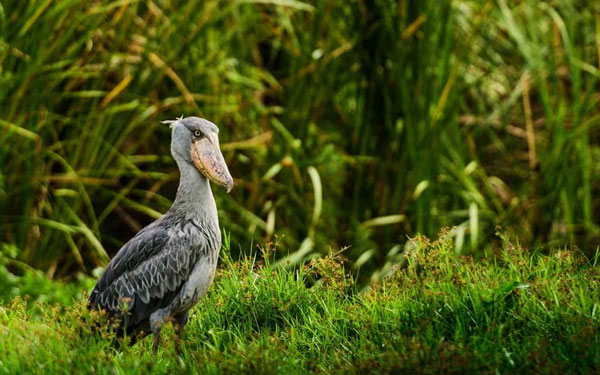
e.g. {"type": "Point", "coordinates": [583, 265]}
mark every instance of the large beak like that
{"type": "Point", "coordinates": [208, 159]}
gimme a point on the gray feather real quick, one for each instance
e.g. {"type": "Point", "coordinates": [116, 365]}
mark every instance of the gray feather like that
{"type": "Point", "coordinates": [169, 264]}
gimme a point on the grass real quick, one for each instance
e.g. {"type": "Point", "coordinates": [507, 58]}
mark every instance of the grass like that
{"type": "Point", "coordinates": [438, 312]}
{"type": "Point", "coordinates": [344, 123]}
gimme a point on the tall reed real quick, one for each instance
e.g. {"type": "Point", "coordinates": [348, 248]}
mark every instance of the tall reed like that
{"type": "Point", "coordinates": [344, 123]}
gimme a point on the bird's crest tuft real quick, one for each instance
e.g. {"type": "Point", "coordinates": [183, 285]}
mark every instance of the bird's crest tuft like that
{"type": "Point", "coordinates": [171, 122]}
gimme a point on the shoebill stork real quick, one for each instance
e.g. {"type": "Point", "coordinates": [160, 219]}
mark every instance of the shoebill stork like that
{"type": "Point", "coordinates": [164, 270]}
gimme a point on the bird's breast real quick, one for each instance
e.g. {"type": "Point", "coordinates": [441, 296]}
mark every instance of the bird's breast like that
{"type": "Point", "coordinates": [205, 245]}
{"type": "Point", "coordinates": [198, 283]}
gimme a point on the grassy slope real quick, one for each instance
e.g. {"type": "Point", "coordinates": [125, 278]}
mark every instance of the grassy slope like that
{"type": "Point", "coordinates": [515, 313]}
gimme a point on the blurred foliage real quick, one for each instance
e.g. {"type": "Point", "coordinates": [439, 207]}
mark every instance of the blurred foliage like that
{"type": "Point", "coordinates": [18, 279]}
{"type": "Point", "coordinates": [354, 123]}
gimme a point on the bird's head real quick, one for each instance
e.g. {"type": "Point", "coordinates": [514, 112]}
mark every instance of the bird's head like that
{"type": "Point", "coordinates": [196, 141]}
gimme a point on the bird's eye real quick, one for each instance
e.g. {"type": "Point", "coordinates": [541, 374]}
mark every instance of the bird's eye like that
{"type": "Point", "coordinates": [197, 133]}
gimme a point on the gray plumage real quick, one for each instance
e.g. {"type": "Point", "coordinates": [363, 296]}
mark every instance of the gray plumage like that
{"type": "Point", "coordinates": [166, 268]}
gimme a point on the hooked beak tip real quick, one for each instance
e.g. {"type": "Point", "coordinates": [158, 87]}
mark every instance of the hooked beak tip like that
{"type": "Point", "coordinates": [229, 185]}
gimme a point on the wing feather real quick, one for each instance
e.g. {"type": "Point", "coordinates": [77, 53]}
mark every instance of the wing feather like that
{"type": "Point", "coordinates": [145, 275]}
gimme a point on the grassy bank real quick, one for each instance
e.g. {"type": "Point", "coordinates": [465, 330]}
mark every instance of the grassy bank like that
{"type": "Point", "coordinates": [436, 313]}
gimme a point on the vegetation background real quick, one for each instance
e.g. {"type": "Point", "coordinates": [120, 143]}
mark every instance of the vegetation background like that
{"type": "Point", "coordinates": [344, 123]}
{"type": "Point", "coordinates": [354, 130]}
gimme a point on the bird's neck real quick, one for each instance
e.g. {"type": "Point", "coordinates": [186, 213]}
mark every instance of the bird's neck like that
{"type": "Point", "coordinates": [194, 196]}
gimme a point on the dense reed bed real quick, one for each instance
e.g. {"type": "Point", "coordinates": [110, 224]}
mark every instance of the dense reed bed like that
{"type": "Point", "coordinates": [354, 123]}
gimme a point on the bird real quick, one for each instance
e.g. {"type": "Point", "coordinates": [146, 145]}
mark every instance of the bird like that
{"type": "Point", "coordinates": [168, 266]}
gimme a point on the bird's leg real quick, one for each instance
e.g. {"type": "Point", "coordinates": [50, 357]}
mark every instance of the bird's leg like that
{"type": "Point", "coordinates": [180, 322]}
{"type": "Point", "coordinates": [157, 319]}
{"type": "Point", "coordinates": [156, 342]}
